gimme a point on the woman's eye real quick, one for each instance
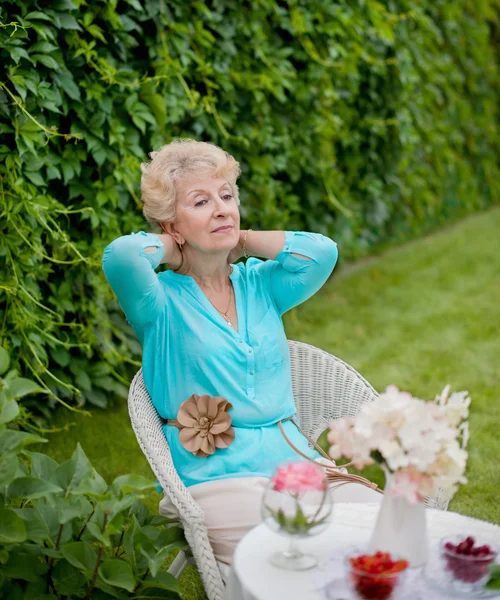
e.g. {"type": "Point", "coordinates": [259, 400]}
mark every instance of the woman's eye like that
{"type": "Point", "coordinates": [201, 202]}
{"type": "Point", "coordinates": [227, 197]}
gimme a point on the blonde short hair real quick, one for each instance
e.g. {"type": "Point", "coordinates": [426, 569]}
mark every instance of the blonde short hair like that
{"type": "Point", "coordinates": [177, 160]}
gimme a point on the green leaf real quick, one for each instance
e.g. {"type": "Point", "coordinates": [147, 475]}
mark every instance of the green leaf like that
{"type": "Point", "coordinates": [300, 522]}
{"type": "Point", "coordinates": [81, 555]}
{"type": "Point", "coordinates": [43, 47]}
{"type": "Point", "coordinates": [493, 582]}
{"type": "Point", "coordinates": [159, 107]}
{"type": "Point", "coordinates": [128, 483]}
{"type": "Point", "coordinates": [68, 171]}
{"type": "Point", "coordinates": [42, 466]}
{"type": "Point", "coordinates": [92, 486]}
{"type": "Point", "coordinates": [20, 387]}
{"type": "Point", "coordinates": [18, 53]}
{"type": "Point", "coordinates": [35, 178]}
{"type": "Point", "coordinates": [9, 411]}
{"type": "Point", "coordinates": [12, 527]}
{"type": "Point", "coordinates": [14, 441]}
{"type": "Point", "coordinates": [97, 32]}
{"type": "Point", "coordinates": [136, 4]}
{"type": "Point", "coordinates": [163, 581]}
{"type": "Point", "coordinates": [20, 85]}
{"type": "Point", "coordinates": [13, 590]}
{"type": "Point", "coordinates": [8, 468]}
{"type": "Point", "coordinates": [51, 552]}
{"type": "Point", "coordinates": [95, 531]}
{"type": "Point", "coordinates": [36, 591]}
{"type": "Point", "coordinates": [65, 5]}
{"type": "Point", "coordinates": [36, 527]}
{"type": "Point", "coordinates": [117, 506]}
{"type": "Point", "coordinates": [131, 541]}
{"type": "Point", "coordinates": [83, 381]}
{"type": "Point", "coordinates": [168, 536]}
{"type": "Point", "coordinates": [72, 472]}
{"type": "Point", "coordinates": [50, 517]}
{"type": "Point", "coordinates": [4, 360]}
{"type": "Point", "coordinates": [139, 122]}
{"type": "Point", "coordinates": [37, 15]}
{"type": "Point", "coordinates": [29, 488]}
{"type": "Point", "coordinates": [281, 518]}
{"type": "Point", "coordinates": [107, 592]}
{"type": "Point", "coordinates": [155, 561]}
{"type": "Point", "coordinates": [68, 580]}
{"type": "Point", "coordinates": [22, 565]}
{"type": "Point", "coordinates": [53, 173]}
{"type": "Point", "coordinates": [117, 572]}
{"type": "Point", "coordinates": [66, 81]}
{"type": "Point", "coordinates": [46, 60]}
{"type": "Point", "coordinates": [73, 507]}
{"type": "Point", "coordinates": [65, 21]}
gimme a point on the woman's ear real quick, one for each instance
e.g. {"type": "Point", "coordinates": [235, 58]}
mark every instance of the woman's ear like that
{"type": "Point", "coordinates": [171, 230]}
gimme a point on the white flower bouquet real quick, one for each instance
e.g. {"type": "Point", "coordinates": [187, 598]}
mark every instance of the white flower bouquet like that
{"type": "Point", "coordinates": [422, 444]}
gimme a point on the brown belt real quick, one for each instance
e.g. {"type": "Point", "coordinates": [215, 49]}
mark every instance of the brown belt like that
{"type": "Point", "coordinates": [334, 474]}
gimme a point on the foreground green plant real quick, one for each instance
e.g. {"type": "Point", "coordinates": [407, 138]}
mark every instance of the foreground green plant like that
{"type": "Point", "coordinates": [64, 532]}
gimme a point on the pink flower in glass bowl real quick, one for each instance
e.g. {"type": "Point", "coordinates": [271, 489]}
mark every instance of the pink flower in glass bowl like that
{"type": "Point", "coordinates": [296, 503]}
{"type": "Point", "coordinates": [299, 477]}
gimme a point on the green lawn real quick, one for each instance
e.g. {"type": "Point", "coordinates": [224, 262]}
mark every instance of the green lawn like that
{"type": "Point", "coordinates": [420, 316]}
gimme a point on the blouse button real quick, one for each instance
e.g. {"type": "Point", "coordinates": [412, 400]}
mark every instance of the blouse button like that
{"type": "Point", "coordinates": [250, 351]}
{"type": "Point", "coordinates": [251, 372]}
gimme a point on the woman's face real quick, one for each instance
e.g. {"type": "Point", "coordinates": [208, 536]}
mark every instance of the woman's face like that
{"type": "Point", "coordinates": [208, 218]}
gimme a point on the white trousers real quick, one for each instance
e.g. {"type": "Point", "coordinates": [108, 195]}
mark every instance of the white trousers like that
{"type": "Point", "coordinates": [232, 507]}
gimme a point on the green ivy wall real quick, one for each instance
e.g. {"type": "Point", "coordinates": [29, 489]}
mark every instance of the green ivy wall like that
{"type": "Point", "coordinates": [368, 121]}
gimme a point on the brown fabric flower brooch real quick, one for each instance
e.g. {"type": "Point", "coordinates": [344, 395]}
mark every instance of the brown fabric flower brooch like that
{"type": "Point", "coordinates": [204, 424]}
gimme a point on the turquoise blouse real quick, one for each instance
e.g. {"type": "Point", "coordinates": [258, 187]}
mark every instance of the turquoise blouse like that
{"type": "Point", "coordinates": [188, 347]}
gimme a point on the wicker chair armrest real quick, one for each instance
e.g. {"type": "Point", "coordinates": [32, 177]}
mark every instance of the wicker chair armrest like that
{"type": "Point", "coordinates": [147, 426]}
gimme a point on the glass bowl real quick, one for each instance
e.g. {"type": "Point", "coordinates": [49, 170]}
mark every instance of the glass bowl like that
{"type": "Point", "coordinates": [466, 561]}
{"type": "Point", "coordinates": [368, 585]}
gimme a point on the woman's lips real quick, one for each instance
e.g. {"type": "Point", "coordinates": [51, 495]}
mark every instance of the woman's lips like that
{"type": "Point", "coordinates": [223, 229]}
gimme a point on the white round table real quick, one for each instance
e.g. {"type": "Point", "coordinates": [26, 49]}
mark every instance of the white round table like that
{"type": "Point", "coordinates": [253, 577]}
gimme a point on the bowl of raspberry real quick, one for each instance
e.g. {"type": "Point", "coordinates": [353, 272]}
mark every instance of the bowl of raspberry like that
{"type": "Point", "coordinates": [466, 561]}
{"type": "Point", "coordinates": [375, 576]}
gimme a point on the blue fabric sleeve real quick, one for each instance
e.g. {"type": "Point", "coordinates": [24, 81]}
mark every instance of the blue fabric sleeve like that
{"type": "Point", "coordinates": [293, 279]}
{"type": "Point", "coordinates": [130, 271]}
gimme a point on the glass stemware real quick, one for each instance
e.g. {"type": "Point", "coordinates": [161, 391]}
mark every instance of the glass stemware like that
{"type": "Point", "coordinates": [298, 510]}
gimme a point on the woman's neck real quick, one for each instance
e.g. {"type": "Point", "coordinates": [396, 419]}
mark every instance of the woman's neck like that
{"type": "Point", "coordinates": [210, 272]}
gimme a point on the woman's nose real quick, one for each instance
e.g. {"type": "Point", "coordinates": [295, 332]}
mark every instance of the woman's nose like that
{"type": "Point", "coordinates": [220, 206]}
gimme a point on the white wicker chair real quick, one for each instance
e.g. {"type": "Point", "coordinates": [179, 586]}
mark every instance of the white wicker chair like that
{"type": "Point", "coordinates": [324, 388]}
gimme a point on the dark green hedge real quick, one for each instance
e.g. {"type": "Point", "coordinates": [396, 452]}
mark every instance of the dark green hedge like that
{"type": "Point", "coordinates": [364, 120]}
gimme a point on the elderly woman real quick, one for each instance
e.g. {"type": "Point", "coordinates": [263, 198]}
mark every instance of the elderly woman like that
{"type": "Point", "coordinates": [212, 331]}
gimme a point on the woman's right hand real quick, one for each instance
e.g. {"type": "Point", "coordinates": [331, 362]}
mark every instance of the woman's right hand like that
{"type": "Point", "coordinates": [172, 255]}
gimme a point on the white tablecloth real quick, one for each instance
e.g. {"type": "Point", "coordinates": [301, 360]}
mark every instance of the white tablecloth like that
{"type": "Point", "coordinates": [253, 577]}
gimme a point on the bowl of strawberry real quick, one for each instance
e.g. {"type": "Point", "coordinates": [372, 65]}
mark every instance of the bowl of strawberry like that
{"type": "Point", "coordinates": [375, 576]}
{"type": "Point", "coordinates": [466, 561]}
